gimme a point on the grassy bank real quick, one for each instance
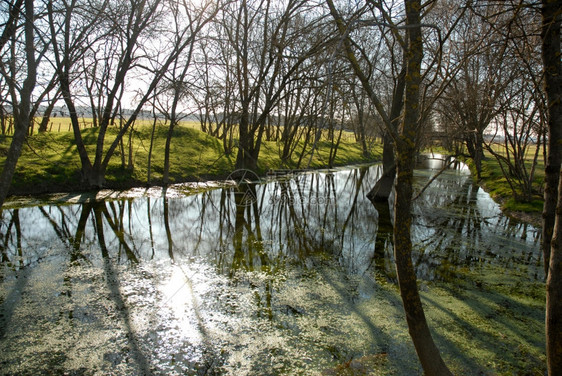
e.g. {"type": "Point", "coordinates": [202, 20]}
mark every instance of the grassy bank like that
{"type": "Point", "coordinates": [494, 182]}
{"type": "Point", "coordinates": [50, 162]}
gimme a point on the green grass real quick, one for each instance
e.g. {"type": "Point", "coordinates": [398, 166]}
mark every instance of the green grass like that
{"type": "Point", "coordinates": [50, 162]}
{"type": "Point", "coordinates": [494, 320]}
{"type": "Point", "coordinates": [495, 183]}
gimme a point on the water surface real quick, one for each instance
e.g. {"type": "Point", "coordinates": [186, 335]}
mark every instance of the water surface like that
{"type": "Point", "coordinates": [293, 275]}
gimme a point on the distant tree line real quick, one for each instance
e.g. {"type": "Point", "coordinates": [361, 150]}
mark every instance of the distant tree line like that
{"type": "Point", "coordinates": [259, 70]}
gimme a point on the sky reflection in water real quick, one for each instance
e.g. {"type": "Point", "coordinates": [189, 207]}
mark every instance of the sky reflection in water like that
{"type": "Point", "coordinates": [298, 280]}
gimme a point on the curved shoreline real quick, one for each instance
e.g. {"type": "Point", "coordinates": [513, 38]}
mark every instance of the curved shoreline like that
{"type": "Point", "coordinates": [114, 191]}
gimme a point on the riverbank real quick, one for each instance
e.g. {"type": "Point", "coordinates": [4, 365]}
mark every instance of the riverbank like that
{"type": "Point", "coordinates": [133, 285]}
{"type": "Point", "coordinates": [533, 218]}
{"type": "Point", "coordinates": [494, 183]}
{"type": "Point", "coordinates": [50, 163]}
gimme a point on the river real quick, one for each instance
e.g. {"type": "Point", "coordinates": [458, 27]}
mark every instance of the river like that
{"type": "Point", "coordinates": [291, 275]}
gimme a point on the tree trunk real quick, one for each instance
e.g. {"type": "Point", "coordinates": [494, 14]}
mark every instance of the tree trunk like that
{"type": "Point", "coordinates": [93, 177]}
{"type": "Point", "coordinates": [246, 157]}
{"type": "Point", "coordinates": [150, 148]}
{"type": "Point", "coordinates": [426, 349]}
{"type": "Point", "coordinates": [474, 144]}
{"type": "Point", "coordinates": [552, 213]}
{"type": "Point", "coordinates": [22, 118]}
{"type": "Point", "coordinates": [553, 87]}
{"type": "Point", "coordinates": [383, 187]}
{"type": "Point", "coordinates": [166, 175]}
{"type": "Point", "coordinates": [2, 120]}
{"type": "Point", "coordinates": [130, 161]}
{"type": "Point", "coordinates": [554, 296]}
{"type": "Point", "coordinates": [44, 126]}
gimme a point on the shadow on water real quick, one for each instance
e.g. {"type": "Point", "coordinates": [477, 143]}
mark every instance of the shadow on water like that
{"type": "Point", "coordinates": [292, 275]}
{"type": "Point", "coordinates": [112, 280]}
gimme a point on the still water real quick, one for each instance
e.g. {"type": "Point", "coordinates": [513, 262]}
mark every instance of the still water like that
{"type": "Point", "coordinates": [293, 275]}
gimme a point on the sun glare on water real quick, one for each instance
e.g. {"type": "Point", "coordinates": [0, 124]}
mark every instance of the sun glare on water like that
{"type": "Point", "coordinates": [180, 298]}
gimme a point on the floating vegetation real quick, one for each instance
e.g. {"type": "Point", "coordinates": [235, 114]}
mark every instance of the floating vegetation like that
{"type": "Point", "coordinates": [194, 283]}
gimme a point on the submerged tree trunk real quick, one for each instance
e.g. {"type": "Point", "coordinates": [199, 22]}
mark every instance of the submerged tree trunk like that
{"type": "Point", "coordinates": [383, 187]}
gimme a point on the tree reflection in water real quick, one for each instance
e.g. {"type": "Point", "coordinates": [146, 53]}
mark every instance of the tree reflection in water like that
{"type": "Point", "coordinates": [214, 262]}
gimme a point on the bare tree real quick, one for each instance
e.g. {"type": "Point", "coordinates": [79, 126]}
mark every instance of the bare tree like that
{"type": "Point", "coordinates": [21, 96]}
{"type": "Point", "coordinates": [405, 138]}
{"type": "Point", "coordinates": [120, 50]}
{"type": "Point", "coordinates": [428, 353]}
{"type": "Point", "coordinates": [519, 129]}
{"type": "Point", "coordinates": [299, 110]}
{"type": "Point", "coordinates": [474, 95]}
{"type": "Point", "coordinates": [382, 76]}
{"type": "Point", "coordinates": [522, 121]}
{"type": "Point", "coordinates": [214, 94]}
{"type": "Point", "coordinates": [363, 119]}
{"type": "Point", "coordinates": [267, 53]}
{"type": "Point", "coordinates": [175, 84]}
